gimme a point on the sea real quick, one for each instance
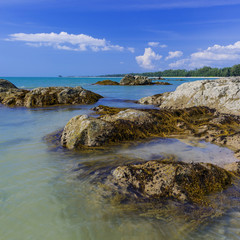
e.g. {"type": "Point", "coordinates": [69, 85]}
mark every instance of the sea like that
{"type": "Point", "coordinates": [44, 197]}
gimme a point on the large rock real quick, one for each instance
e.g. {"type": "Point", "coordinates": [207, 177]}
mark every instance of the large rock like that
{"type": "Point", "coordinates": [42, 97]}
{"type": "Point", "coordinates": [5, 84]}
{"type": "Point", "coordinates": [221, 94]}
{"type": "Point", "coordinates": [135, 80]}
{"type": "Point", "coordinates": [161, 180]}
{"type": "Point", "coordinates": [84, 131]}
{"type": "Point", "coordinates": [116, 125]}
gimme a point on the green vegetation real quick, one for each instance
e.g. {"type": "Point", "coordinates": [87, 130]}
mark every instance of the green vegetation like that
{"type": "Point", "coordinates": [201, 72]}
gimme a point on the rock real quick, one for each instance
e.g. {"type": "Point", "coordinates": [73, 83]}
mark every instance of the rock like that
{"type": "Point", "coordinates": [162, 83]}
{"type": "Point", "coordinates": [134, 124]}
{"type": "Point", "coordinates": [161, 180]}
{"type": "Point", "coordinates": [106, 82]}
{"type": "Point", "coordinates": [5, 84]}
{"type": "Point", "coordinates": [135, 80]}
{"type": "Point", "coordinates": [220, 94]}
{"type": "Point", "coordinates": [233, 167]}
{"type": "Point", "coordinates": [132, 115]}
{"type": "Point", "coordinates": [85, 131]}
{"type": "Point", "coordinates": [153, 100]}
{"type": "Point", "coordinates": [49, 96]}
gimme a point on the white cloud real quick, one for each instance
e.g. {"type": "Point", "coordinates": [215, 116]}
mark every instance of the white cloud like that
{"type": "Point", "coordinates": [131, 49]}
{"type": "Point", "coordinates": [65, 41]}
{"type": "Point", "coordinates": [175, 54]}
{"type": "Point", "coordinates": [146, 60]}
{"type": "Point", "coordinates": [179, 63]}
{"type": "Point", "coordinates": [214, 55]}
{"type": "Point", "coordinates": [163, 46]}
{"type": "Point", "coordinates": [153, 44]}
{"type": "Point", "coordinates": [156, 44]}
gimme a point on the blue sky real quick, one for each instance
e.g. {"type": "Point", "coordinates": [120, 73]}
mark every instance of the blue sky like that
{"type": "Point", "coordinates": [70, 37]}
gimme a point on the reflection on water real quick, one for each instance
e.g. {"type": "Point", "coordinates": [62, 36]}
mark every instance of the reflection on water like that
{"type": "Point", "coordinates": [42, 197]}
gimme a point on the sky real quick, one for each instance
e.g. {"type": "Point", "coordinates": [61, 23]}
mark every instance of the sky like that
{"type": "Point", "coordinates": [95, 37]}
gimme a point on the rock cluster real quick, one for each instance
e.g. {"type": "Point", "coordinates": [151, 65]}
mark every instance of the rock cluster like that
{"type": "Point", "coordinates": [221, 94]}
{"type": "Point", "coordinates": [10, 95]}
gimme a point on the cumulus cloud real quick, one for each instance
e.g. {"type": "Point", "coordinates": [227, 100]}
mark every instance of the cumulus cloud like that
{"type": "Point", "coordinates": [216, 55]}
{"type": "Point", "coordinates": [175, 54]}
{"type": "Point", "coordinates": [65, 41]}
{"type": "Point", "coordinates": [156, 44]}
{"type": "Point", "coordinates": [146, 60]}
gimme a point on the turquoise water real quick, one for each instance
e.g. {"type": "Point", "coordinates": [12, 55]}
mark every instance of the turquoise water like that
{"type": "Point", "coordinates": [40, 196]}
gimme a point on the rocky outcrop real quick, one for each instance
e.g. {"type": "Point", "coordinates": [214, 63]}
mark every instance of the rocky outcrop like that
{"type": "Point", "coordinates": [106, 82]}
{"type": "Point", "coordinates": [42, 97]}
{"type": "Point", "coordinates": [5, 84]}
{"type": "Point", "coordinates": [161, 180]}
{"type": "Point", "coordinates": [220, 94]}
{"type": "Point", "coordinates": [135, 80]}
{"type": "Point", "coordinates": [84, 131]}
{"type": "Point", "coordinates": [116, 125]}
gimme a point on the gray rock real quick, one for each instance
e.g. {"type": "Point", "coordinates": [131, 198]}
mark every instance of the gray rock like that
{"type": "Point", "coordinates": [85, 131]}
{"type": "Point", "coordinates": [221, 94]}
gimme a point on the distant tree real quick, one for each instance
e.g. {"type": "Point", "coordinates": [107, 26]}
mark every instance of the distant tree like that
{"type": "Point", "coordinates": [235, 70]}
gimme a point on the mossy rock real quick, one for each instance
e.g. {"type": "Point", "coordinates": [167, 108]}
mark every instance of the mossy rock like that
{"type": "Point", "coordinates": [106, 82]}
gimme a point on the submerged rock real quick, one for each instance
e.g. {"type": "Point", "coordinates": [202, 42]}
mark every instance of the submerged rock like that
{"type": "Point", "coordinates": [106, 82]}
{"type": "Point", "coordinates": [221, 94]}
{"type": "Point", "coordinates": [42, 97]}
{"type": "Point", "coordinates": [161, 180]}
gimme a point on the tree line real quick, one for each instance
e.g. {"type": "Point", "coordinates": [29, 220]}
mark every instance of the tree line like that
{"type": "Point", "coordinates": [200, 72]}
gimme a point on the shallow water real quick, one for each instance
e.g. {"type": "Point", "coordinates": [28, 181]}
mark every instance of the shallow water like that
{"type": "Point", "coordinates": [41, 197]}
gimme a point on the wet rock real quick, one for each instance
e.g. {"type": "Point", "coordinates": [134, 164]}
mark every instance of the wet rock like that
{"type": "Point", "coordinates": [135, 124]}
{"type": "Point", "coordinates": [161, 180]}
{"type": "Point", "coordinates": [221, 94]}
{"type": "Point", "coordinates": [42, 97]}
{"type": "Point", "coordinates": [135, 80]}
{"type": "Point", "coordinates": [106, 82]}
{"type": "Point", "coordinates": [84, 131]}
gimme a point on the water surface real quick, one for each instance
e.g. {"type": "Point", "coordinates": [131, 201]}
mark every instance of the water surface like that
{"type": "Point", "coordinates": [41, 198]}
